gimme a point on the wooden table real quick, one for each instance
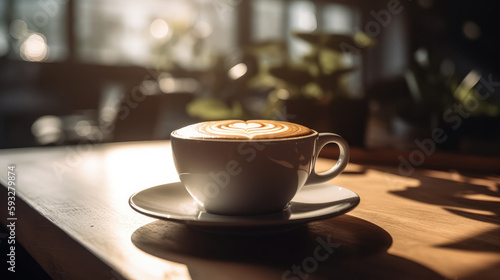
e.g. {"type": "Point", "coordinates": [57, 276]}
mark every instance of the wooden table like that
{"type": "Point", "coordinates": [73, 217]}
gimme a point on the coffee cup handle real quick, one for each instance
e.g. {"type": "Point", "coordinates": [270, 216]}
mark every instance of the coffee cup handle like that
{"type": "Point", "coordinates": [323, 140]}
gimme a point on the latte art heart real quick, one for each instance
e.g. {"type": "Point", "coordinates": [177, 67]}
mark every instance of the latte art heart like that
{"type": "Point", "coordinates": [242, 130]}
{"type": "Point", "coordinates": [245, 125]}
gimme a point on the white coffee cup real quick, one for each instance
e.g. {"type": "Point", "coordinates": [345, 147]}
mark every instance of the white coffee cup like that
{"type": "Point", "coordinates": [251, 176]}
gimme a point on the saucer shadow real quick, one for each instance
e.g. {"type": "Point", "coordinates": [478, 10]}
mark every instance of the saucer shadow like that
{"type": "Point", "coordinates": [357, 249]}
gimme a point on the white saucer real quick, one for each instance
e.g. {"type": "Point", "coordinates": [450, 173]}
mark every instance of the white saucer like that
{"type": "Point", "coordinates": [314, 202]}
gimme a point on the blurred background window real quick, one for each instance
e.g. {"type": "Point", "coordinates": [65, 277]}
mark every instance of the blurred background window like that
{"type": "Point", "coordinates": [37, 29]}
{"type": "Point", "coordinates": [268, 20]}
{"type": "Point", "coordinates": [153, 32]}
{"type": "Point", "coordinates": [4, 30]}
{"type": "Point", "coordinates": [301, 17]}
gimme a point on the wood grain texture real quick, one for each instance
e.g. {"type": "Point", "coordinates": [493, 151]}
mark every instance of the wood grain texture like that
{"type": "Point", "coordinates": [75, 220]}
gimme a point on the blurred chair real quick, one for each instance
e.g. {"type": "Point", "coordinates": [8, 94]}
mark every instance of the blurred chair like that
{"type": "Point", "coordinates": [152, 117]}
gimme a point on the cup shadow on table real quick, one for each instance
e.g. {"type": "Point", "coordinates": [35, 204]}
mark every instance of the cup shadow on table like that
{"type": "Point", "coordinates": [357, 250]}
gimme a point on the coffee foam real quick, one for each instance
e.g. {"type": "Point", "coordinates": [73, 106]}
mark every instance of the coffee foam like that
{"type": "Point", "coordinates": [242, 130]}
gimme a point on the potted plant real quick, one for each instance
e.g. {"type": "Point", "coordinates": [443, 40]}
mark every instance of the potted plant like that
{"type": "Point", "coordinates": [319, 93]}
